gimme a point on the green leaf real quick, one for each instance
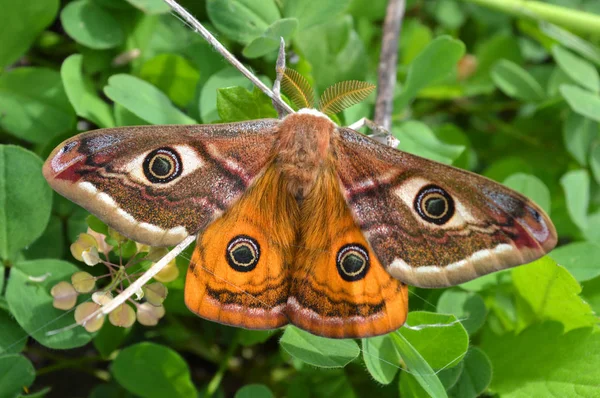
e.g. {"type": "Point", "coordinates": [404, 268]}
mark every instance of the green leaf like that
{"type": "Point", "coordinates": [16, 373]}
{"type": "Point", "coordinates": [468, 307]}
{"type": "Point", "coordinates": [434, 63]}
{"type": "Point", "coordinates": [381, 358]}
{"type": "Point", "coordinates": [591, 293]}
{"type": "Point", "coordinates": [173, 75]}
{"type": "Point", "coordinates": [96, 224]}
{"type": "Point", "coordinates": [486, 281]}
{"type": "Point", "coordinates": [592, 232]}
{"type": "Point", "coordinates": [237, 104]}
{"type": "Point", "coordinates": [476, 375]}
{"type": "Point", "coordinates": [21, 23]}
{"type": "Point", "coordinates": [25, 199]}
{"type": "Point", "coordinates": [595, 161]}
{"type": "Point", "coordinates": [551, 293]}
{"type": "Point", "coordinates": [452, 134]}
{"type": "Point", "coordinates": [248, 337]}
{"type": "Point", "coordinates": [572, 41]}
{"type": "Point", "coordinates": [228, 77]}
{"type": "Point", "coordinates": [439, 338]}
{"type": "Point", "coordinates": [89, 24]}
{"type": "Point", "coordinates": [417, 138]}
{"type": "Point", "coordinates": [51, 244]}
{"type": "Point", "coordinates": [30, 302]}
{"type": "Point", "coordinates": [335, 43]}
{"type": "Point", "coordinates": [418, 366]}
{"type": "Point", "coordinates": [448, 13]}
{"type": "Point", "coordinates": [151, 6]}
{"type": "Point", "coordinates": [152, 370]}
{"type": "Point", "coordinates": [269, 41]}
{"type": "Point", "coordinates": [38, 394]}
{"type": "Point", "coordinates": [242, 20]}
{"type": "Point", "coordinates": [144, 100]}
{"type": "Point", "coordinates": [532, 187]}
{"type": "Point", "coordinates": [310, 12]}
{"type": "Point", "coordinates": [318, 351]}
{"type": "Point", "coordinates": [578, 134]}
{"type": "Point", "coordinates": [410, 387]}
{"type": "Point", "coordinates": [125, 117]}
{"type": "Point", "coordinates": [109, 338]}
{"type": "Point", "coordinates": [578, 69]}
{"type": "Point", "coordinates": [581, 259]}
{"type": "Point", "coordinates": [12, 337]}
{"type": "Point", "coordinates": [543, 360]}
{"type": "Point", "coordinates": [81, 94]}
{"type": "Point", "coordinates": [416, 36]}
{"type": "Point", "coordinates": [34, 104]}
{"type": "Point", "coordinates": [582, 101]}
{"type": "Point", "coordinates": [516, 82]}
{"type": "Point", "coordinates": [491, 50]}
{"type": "Point", "coordinates": [576, 185]}
{"type": "Point", "coordinates": [254, 391]}
{"type": "Point", "coordinates": [505, 167]}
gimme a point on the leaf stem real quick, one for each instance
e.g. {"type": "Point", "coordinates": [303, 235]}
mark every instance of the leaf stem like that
{"type": "Point", "coordinates": [75, 363]}
{"type": "Point", "coordinates": [580, 21]}
{"type": "Point", "coordinates": [214, 383]}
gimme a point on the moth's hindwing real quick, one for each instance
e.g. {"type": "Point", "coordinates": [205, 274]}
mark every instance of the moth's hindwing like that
{"type": "Point", "coordinates": [238, 274]}
{"type": "Point", "coordinates": [338, 286]}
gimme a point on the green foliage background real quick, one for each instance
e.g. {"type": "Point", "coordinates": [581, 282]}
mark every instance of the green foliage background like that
{"type": "Point", "coordinates": [508, 89]}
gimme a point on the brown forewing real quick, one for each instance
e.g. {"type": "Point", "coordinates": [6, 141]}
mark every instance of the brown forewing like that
{"type": "Point", "coordinates": [495, 227]}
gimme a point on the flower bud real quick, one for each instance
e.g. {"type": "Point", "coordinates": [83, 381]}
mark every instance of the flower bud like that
{"type": "Point", "coordinates": [116, 235]}
{"type": "Point", "coordinates": [149, 315]}
{"type": "Point", "coordinates": [83, 282]}
{"type": "Point", "coordinates": [101, 298]}
{"type": "Point", "coordinates": [65, 296]}
{"type": "Point", "coordinates": [156, 253]}
{"type": "Point", "coordinates": [155, 293]}
{"type": "Point", "coordinates": [122, 316]}
{"type": "Point", "coordinates": [84, 310]}
{"type": "Point", "coordinates": [84, 242]}
{"type": "Point", "coordinates": [169, 273]}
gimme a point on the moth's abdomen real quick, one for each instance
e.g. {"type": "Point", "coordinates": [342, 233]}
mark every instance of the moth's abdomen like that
{"type": "Point", "coordinates": [304, 141]}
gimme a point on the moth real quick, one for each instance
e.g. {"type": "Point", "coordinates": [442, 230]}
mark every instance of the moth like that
{"type": "Point", "coordinates": [299, 220]}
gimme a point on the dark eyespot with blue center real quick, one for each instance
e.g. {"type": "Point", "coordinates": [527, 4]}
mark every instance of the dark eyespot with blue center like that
{"type": "Point", "coordinates": [162, 165]}
{"type": "Point", "coordinates": [434, 205]}
{"type": "Point", "coordinates": [353, 262]}
{"type": "Point", "coordinates": [242, 253]}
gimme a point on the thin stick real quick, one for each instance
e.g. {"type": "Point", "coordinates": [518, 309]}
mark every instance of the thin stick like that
{"type": "Point", "coordinates": [388, 58]}
{"type": "Point", "coordinates": [189, 18]}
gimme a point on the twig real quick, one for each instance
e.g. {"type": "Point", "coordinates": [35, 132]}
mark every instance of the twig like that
{"type": "Point", "coordinates": [189, 18]}
{"type": "Point", "coordinates": [388, 59]}
{"type": "Point", "coordinates": [576, 20]}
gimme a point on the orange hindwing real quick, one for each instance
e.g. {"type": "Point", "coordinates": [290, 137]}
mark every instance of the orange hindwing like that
{"type": "Point", "coordinates": [238, 274]}
{"type": "Point", "coordinates": [338, 287]}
